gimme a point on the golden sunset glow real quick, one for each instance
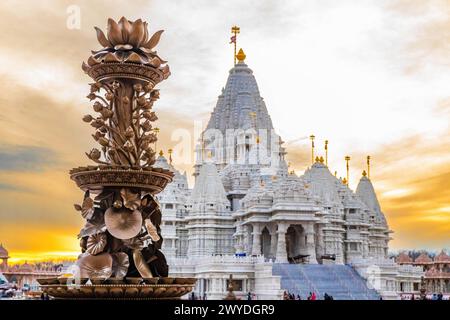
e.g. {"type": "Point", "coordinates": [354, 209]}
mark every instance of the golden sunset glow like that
{"type": "Point", "coordinates": [371, 77]}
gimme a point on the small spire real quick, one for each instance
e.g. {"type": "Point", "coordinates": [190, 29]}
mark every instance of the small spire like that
{"type": "Point", "coordinates": [344, 181]}
{"type": "Point", "coordinates": [326, 153]}
{"type": "Point", "coordinates": [161, 153]}
{"type": "Point", "coordinates": [241, 56]}
{"type": "Point", "coordinates": [317, 159]}
{"type": "Point", "coordinates": [311, 137]}
{"type": "Point", "coordinates": [170, 155]}
{"type": "Point", "coordinates": [364, 173]}
{"type": "Point", "coordinates": [321, 160]}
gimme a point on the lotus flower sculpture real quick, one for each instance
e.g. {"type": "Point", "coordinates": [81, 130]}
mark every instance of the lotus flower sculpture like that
{"type": "Point", "coordinates": [127, 41]}
{"type": "Point", "coordinates": [122, 237]}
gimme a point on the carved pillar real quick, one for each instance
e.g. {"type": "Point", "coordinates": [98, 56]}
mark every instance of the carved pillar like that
{"type": "Point", "coordinates": [281, 256]}
{"type": "Point", "coordinates": [273, 243]}
{"type": "Point", "coordinates": [320, 241]}
{"type": "Point", "coordinates": [310, 242]}
{"type": "Point", "coordinates": [256, 248]}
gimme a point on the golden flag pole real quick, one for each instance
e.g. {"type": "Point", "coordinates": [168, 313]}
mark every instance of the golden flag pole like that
{"type": "Point", "coordinates": [347, 159]}
{"type": "Point", "coordinates": [312, 148]}
{"type": "Point", "coordinates": [235, 30]}
{"type": "Point", "coordinates": [368, 167]}
{"type": "Point", "coordinates": [326, 153]}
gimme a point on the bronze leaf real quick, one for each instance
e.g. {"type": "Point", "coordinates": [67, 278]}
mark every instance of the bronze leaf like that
{"type": "Point", "coordinates": [131, 200]}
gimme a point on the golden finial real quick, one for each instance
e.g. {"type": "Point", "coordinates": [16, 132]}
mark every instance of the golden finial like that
{"type": "Point", "coordinates": [344, 181]}
{"type": "Point", "coordinates": [321, 160]}
{"type": "Point", "coordinates": [161, 153]}
{"type": "Point", "coordinates": [292, 172]}
{"type": "Point", "coordinates": [364, 173]}
{"type": "Point", "coordinates": [317, 159]}
{"type": "Point", "coordinates": [368, 167]}
{"type": "Point", "coordinates": [326, 153]}
{"type": "Point", "coordinates": [311, 137]}
{"type": "Point", "coordinates": [241, 56]}
{"type": "Point", "coordinates": [335, 173]}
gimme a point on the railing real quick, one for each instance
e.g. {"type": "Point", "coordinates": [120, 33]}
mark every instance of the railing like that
{"type": "Point", "coordinates": [217, 259]}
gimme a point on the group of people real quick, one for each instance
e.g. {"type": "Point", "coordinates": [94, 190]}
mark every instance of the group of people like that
{"type": "Point", "coordinates": [435, 296]}
{"type": "Point", "coordinates": [312, 296]}
{"type": "Point", "coordinates": [193, 296]}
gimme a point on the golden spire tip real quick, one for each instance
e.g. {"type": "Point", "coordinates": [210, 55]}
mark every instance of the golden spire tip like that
{"type": "Point", "coordinates": [241, 56]}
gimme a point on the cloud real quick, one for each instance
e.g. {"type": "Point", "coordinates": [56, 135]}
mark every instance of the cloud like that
{"type": "Point", "coordinates": [26, 158]}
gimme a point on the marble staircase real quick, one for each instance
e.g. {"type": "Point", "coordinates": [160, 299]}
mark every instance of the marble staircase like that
{"type": "Point", "coordinates": [340, 281]}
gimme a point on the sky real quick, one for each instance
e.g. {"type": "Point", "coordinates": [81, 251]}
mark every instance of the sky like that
{"type": "Point", "coordinates": [372, 77]}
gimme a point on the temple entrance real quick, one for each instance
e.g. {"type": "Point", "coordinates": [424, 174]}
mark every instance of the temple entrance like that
{"type": "Point", "coordinates": [265, 242]}
{"type": "Point", "coordinates": [296, 244]}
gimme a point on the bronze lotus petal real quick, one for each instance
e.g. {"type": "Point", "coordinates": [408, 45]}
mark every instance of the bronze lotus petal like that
{"type": "Point", "coordinates": [123, 223]}
{"type": "Point", "coordinates": [150, 44]}
{"type": "Point", "coordinates": [124, 32]}
{"type": "Point", "coordinates": [131, 200]}
{"type": "Point", "coordinates": [120, 264]}
{"type": "Point", "coordinates": [96, 243]}
{"type": "Point", "coordinates": [92, 267]}
{"type": "Point", "coordinates": [87, 208]}
{"type": "Point", "coordinates": [141, 265]}
{"type": "Point", "coordinates": [126, 27]}
{"type": "Point", "coordinates": [152, 231]}
{"type": "Point", "coordinates": [137, 34]}
{"type": "Point", "coordinates": [90, 229]}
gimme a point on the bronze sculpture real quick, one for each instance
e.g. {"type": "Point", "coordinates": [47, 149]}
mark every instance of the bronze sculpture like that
{"type": "Point", "coordinates": [121, 240]}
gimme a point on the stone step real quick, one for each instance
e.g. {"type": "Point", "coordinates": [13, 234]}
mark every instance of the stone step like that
{"type": "Point", "coordinates": [340, 281]}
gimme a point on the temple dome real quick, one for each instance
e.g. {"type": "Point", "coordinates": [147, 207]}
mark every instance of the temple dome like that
{"type": "Point", "coordinates": [239, 99]}
{"type": "Point", "coordinates": [423, 258]}
{"type": "Point", "coordinates": [323, 184]}
{"type": "Point", "coordinates": [403, 258]}
{"type": "Point", "coordinates": [208, 193]}
{"type": "Point", "coordinates": [442, 257]}
{"type": "Point", "coordinates": [367, 194]}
